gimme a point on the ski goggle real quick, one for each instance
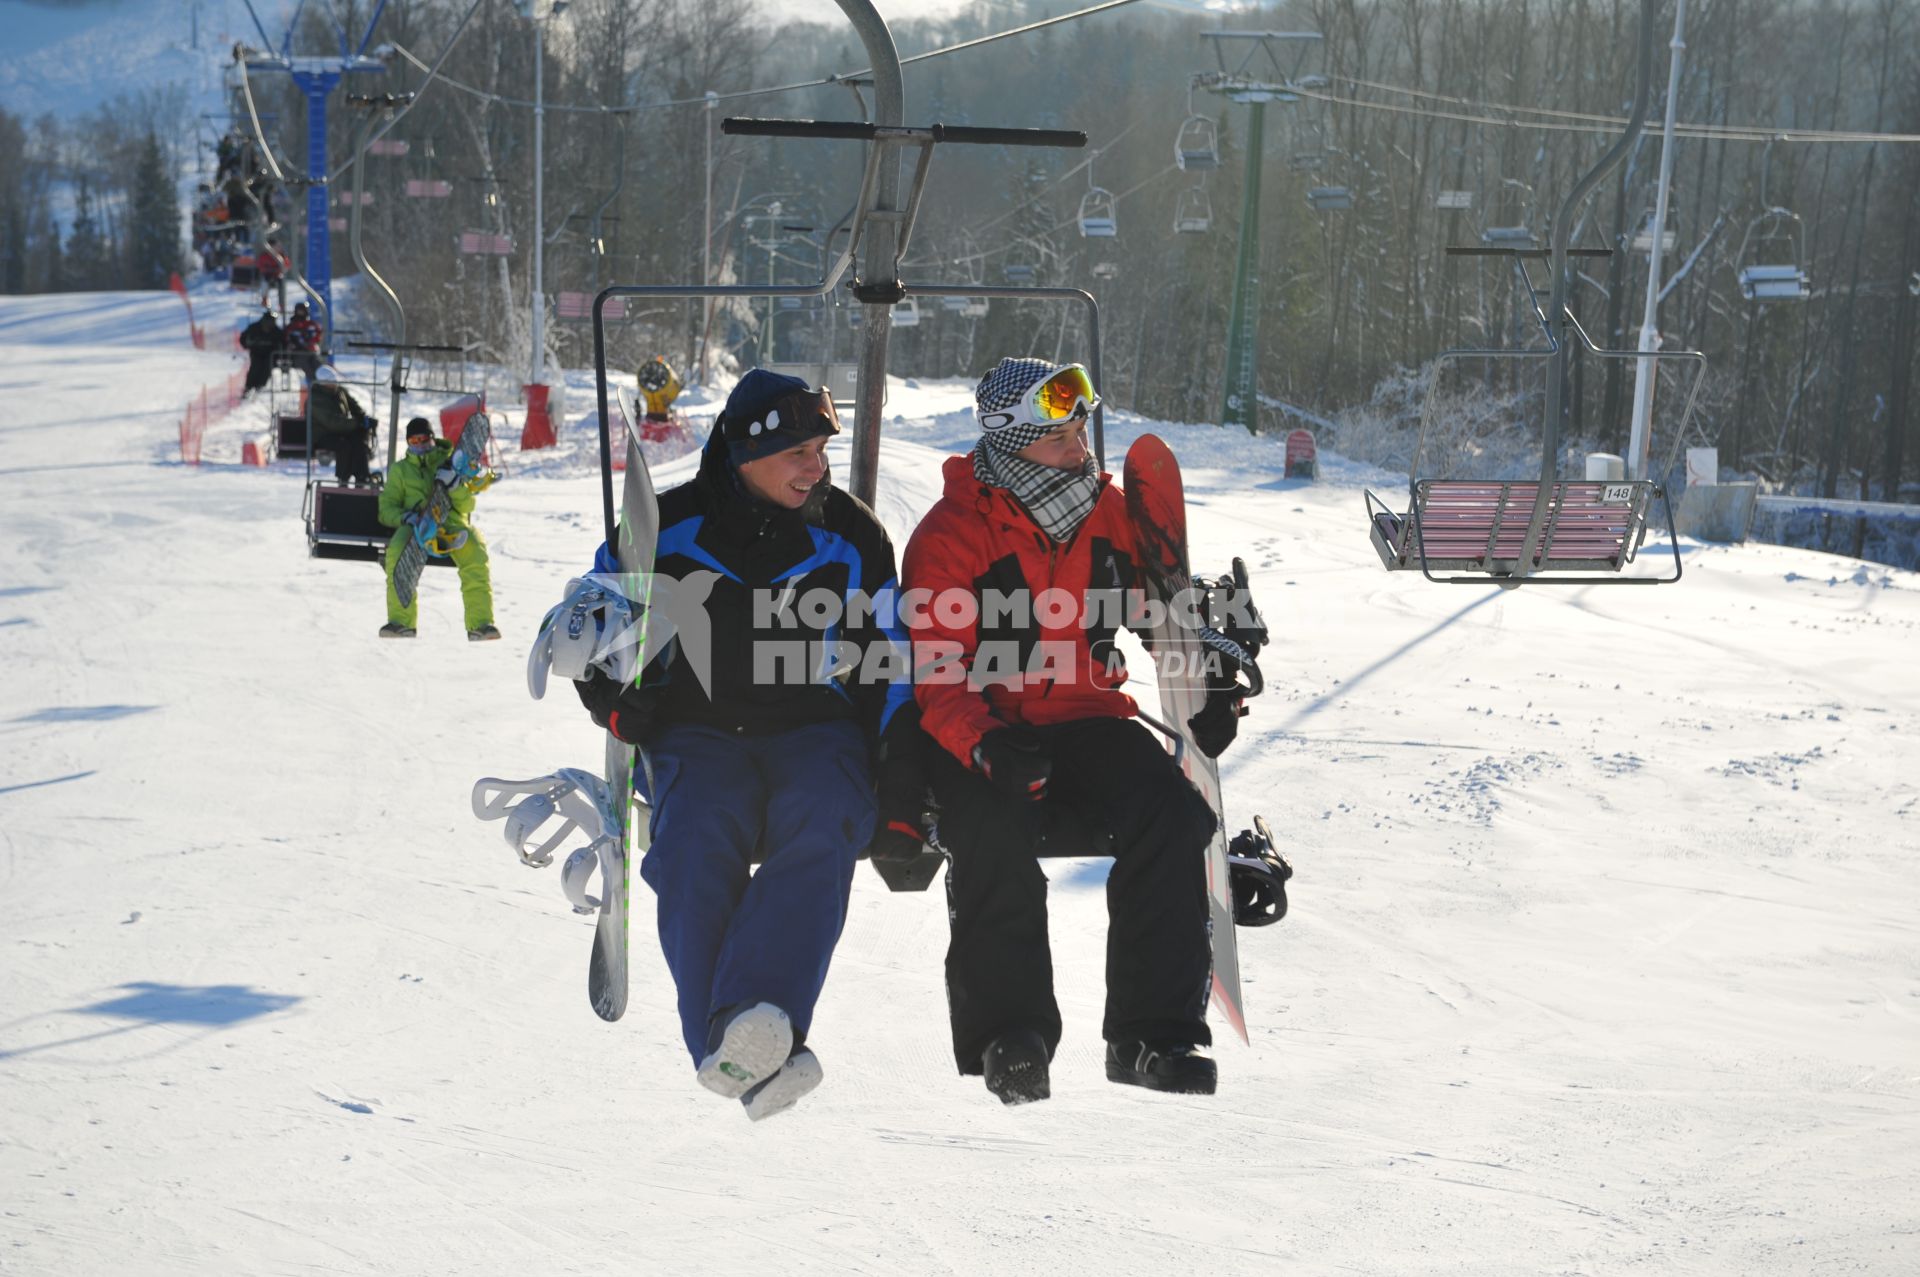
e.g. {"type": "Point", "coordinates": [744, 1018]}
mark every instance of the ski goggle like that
{"type": "Point", "coordinates": [798, 416]}
{"type": "Point", "coordinates": [1063, 396]}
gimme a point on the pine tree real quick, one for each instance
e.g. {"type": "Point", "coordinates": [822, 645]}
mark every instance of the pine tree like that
{"type": "Point", "coordinates": [86, 251]}
{"type": "Point", "coordinates": [153, 239]}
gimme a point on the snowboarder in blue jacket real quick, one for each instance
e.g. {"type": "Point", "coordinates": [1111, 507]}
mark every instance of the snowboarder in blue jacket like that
{"type": "Point", "coordinates": [779, 729]}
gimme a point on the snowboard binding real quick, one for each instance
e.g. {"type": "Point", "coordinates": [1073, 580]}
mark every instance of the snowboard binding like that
{"type": "Point", "coordinates": [579, 801]}
{"type": "Point", "coordinates": [1258, 874]}
{"type": "Point", "coordinates": [593, 627]}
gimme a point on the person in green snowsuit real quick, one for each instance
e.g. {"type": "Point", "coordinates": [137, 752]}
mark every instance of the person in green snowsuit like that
{"type": "Point", "coordinates": [402, 498]}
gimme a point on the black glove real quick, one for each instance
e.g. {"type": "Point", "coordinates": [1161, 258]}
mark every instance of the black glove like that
{"type": "Point", "coordinates": [621, 708]}
{"type": "Point", "coordinates": [1015, 759]}
{"type": "Point", "coordinates": [1218, 721]}
{"type": "Point", "coordinates": [900, 834]}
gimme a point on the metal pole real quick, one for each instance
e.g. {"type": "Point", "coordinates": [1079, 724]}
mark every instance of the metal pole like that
{"type": "Point", "coordinates": [879, 261]}
{"type": "Point", "coordinates": [1640, 442]}
{"type": "Point", "coordinates": [539, 206]}
{"type": "Point", "coordinates": [706, 242]}
{"type": "Point", "coordinates": [1241, 406]}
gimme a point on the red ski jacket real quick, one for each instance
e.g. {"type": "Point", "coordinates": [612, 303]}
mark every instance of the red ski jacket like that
{"type": "Point", "coordinates": [1036, 646]}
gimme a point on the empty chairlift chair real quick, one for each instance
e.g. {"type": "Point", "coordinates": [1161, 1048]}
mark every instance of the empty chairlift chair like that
{"type": "Point", "coordinates": [1642, 241]}
{"type": "Point", "coordinates": [1196, 148]}
{"type": "Point", "coordinates": [1546, 531]}
{"type": "Point", "coordinates": [1330, 199]}
{"type": "Point", "coordinates": [1770, 268]}
{"type": "Point", "coordinates": [1193, 212]}
{"type": "Point", "coordinates": [1096, 217]}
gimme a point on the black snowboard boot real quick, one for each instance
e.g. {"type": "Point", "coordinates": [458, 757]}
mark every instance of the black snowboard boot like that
{"type": "Point", "coordinates": [1015, 1064]}
{"type": "Point", "coordinates": [1180, 1067]}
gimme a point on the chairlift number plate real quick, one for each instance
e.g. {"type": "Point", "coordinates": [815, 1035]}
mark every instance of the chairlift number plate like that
{"type": "Point", "coordinates": [1617, 494]}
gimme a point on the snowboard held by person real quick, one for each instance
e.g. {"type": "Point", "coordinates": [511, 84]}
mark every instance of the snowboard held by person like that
{"type": "Point", "coordinates": [1032, 729]}
{"type": "Point", "coordinates": [756, 748]}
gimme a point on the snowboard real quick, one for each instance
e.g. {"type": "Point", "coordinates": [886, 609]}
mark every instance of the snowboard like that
{"type": "Point", "coordinates": [466, 466]}
{"type": "Point", "coordinates": [635, 537]}
{"type": "Point", "coordinates": [1156, 505]}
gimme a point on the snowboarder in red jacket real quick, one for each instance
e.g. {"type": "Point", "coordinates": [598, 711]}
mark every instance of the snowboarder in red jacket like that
{"type": "Point", "coordinates": [1015, 586]}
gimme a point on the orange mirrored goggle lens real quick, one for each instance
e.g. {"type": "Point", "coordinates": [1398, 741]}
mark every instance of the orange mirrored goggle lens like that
{"type": "Point", "coordinates": [1055, 398]}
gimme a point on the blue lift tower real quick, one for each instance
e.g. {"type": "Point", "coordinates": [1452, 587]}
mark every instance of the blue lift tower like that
{"type": "Point", "coordinates": [317, 76]}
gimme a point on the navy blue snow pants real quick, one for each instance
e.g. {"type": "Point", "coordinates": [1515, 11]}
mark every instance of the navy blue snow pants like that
{"type": "Point", "coordinates": [801, 803]}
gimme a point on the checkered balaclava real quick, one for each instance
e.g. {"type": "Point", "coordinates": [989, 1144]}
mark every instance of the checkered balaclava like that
{"type": "Point", "coordinates": [1058, 500]}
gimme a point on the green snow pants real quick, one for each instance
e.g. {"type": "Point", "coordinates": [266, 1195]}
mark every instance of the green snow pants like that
{"type": "Point", "coordinates": [476, 580]}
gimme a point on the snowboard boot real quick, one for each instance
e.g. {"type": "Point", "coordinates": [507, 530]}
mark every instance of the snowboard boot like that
{"type": "Point", "coordinates": [393, 629]}
{"type": "Point", "coordinates": [1179, 1067]}
{"type": "Point", "coordinates": [482, 634]}
{"type": "Point", "coordinates": [1015, 1065]}
{"type": "Point", "coordinates": [800, 1074]}
{"type": "Point", "coordinates": [746, 1049]}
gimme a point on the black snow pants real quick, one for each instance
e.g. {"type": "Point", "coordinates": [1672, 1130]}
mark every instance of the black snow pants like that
{"type": "Point", "coordinates": [1113, 775]}
{"type": "Point", "coordinates": [259, 367]}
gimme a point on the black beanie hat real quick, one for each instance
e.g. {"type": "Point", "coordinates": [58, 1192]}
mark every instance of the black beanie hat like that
{"type": "Point", "coordinates": [754, 424]}
{"type": "Point", "coordinates": [419, 426]}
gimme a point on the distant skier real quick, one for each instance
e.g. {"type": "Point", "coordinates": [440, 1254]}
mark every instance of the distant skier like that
{"type": "Point", "coordinates": [262, 340]}
{"type": "Point", "coordinates": [340, 426]}
{"type": "Point", "coordinates": [303, 340]}
{"type": "Point", "coordinates": [756, 758]}
{"type": "Point", "coordinates": [402, 499]}
{"type": "Point", "coordinates": [1033, 729]}
{"type": "Point", "coordinates": [271, 264]}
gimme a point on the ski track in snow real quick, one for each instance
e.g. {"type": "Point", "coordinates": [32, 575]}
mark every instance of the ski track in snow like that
{"type": "Point", "coordinates": [1601, 954]}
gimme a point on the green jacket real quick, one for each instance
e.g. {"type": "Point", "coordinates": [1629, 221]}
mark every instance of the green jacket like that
{"type": "Point", "coordinates": [411, 479]}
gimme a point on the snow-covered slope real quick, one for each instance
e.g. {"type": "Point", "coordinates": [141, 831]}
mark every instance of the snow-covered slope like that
{"type": "Point", "coordinates": [1602, 953]}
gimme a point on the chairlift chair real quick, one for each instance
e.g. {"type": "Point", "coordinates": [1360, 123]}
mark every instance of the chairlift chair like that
{"type": "Point", "coordinates": [958, 305]}
{"type": "Point", "coordinates": [1310, 149]}
{"type": "Point", "coordinates": [1196, 147]}
{"type": "Point", "coordinates": [1453, 200]}
{"type": "Point", "coordinates": [906, 313]}
{"type": "Point", "coordinates": [977, 307]}
{"type": "Point", "coordinates": [1763, 276]}
{"type": "Point", "coordinates": [1509, 237]}
{"type": "Point", "coordinates": [1642, 241]}
{"type": "Point", "coordinates": [1330, 199]}
{"type": "Point", "coordinates": [1513, 532]}
{"type": "Point", "coordinates": [1193, 212]}
{"type": "Point", "coordinates": [1097, 215]}
{"type": "Point", "coordinates": [1547, 530]}
{"type": "Point", "coordinates": [1105, 270]}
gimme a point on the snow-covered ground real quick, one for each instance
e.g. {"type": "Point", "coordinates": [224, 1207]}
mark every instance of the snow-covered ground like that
{"type": "Point", "coordinates": [1602, 953]}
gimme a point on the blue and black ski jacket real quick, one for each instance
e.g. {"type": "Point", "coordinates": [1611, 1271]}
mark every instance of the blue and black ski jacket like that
{"type": "Point", "coordinates": [798, 609]}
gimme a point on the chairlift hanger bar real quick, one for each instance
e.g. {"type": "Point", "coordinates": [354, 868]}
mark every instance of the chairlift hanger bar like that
{"type": "Point", "coordinates": [860, 131]}
{"type": "Point", "coordinates": [1481, 250]}
{"type": "Point", "coordinates": [431, 348]}
{"type": "Point", "coordinates": [887, 292]}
